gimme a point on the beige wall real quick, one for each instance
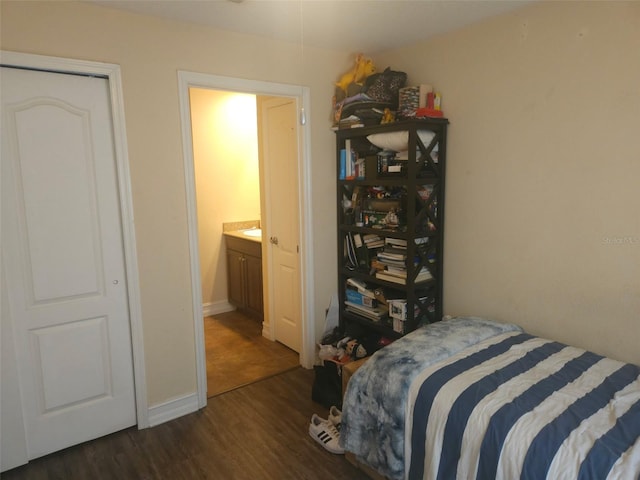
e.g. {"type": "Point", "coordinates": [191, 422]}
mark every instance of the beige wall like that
{"type": "Point", "coordinates": [150, 51]}
{"type": "Point", "coordinates": [543, 178]}
{"type": "Point", "coordinates": [543, 161]}
{"type": "Point", "coordinates": [225, 151]}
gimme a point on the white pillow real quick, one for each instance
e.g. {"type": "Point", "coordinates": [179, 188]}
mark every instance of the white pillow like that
{"type": "Point", "coordinates": [399, 141]}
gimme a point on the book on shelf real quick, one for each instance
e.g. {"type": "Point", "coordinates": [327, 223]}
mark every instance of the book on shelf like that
{"type": "Point", "coordinates": [386, 255]}
{"type": "Point", "coordinates": [358, 298]}
{"type": "Point", "coordinates": [375, 313]}
{"type": "Point", "coordinates": [352, 121]}
{"type": "Point", "coordinates": [347, 162]}
{"type": "Point", "coordinates": [360, 287]}
{"type": "Point", "coordinates": [395, 242]}
{"type": "Point", "coordinates": [362, 251]}
{"type": "Point", "coordinates": [372, 240]}
{"type": "Point", "coordinates": [402, 272]}
{"type": "Point", "coordinates": [401, 243]}
{"type": "Point", "coordinates": [350, 252]}
{"type": "Point", "coordinates": [397, 271]}
{"type": "Point", "coordinates": [385, 264]}
{"type": "Point", "coordinates": [391, 278]}
{"type": "Point", "coordinates": [361, 314]}
{"type": "Point", "coordinates": [349, 159]}
{"type": "Point", "coordinates": [395, 278]}
{"type": "Point", "coordinates": [343, 164]}
{"type": "Point", "coordinates": [360, 168]}
{"type": "Point", "coordinates": [395, 250]}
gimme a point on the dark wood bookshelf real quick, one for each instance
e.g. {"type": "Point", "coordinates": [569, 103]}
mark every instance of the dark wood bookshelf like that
{"type": "Point", "coordinates": [415, 198]}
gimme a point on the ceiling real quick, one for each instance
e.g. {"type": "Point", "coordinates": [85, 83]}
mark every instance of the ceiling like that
{"type": "Point", "coordinates": [367, 26]}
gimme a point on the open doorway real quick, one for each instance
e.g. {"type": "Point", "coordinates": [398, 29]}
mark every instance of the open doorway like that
{"type": "Point", "coordinates": [227, 152]}
{"type": "Point", "coordinates": [301, 96]}
{"type": "Point", "coordinates": [238, 354]}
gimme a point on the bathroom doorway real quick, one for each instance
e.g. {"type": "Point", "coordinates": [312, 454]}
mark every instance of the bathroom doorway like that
{"type": "Point", "coordinates": [228, 143]}
{"type": "Point", "coordinates": [192, 80]}
{"type": "Point", "coordinates": [238, 354]}
{"type": "Point", "coordinates": [227, 180]}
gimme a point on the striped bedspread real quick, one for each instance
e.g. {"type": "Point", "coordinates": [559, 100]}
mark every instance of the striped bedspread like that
{"type": "Point", "coordinates": [375, 403]}
{"type": "Point", "coordinates": [515, 406]}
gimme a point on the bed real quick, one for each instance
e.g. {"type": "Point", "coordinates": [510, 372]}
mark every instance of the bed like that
{"type": "Point", "coordinates": [469, 398]}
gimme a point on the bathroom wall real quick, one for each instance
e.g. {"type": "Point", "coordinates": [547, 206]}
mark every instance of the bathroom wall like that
{"type": "Point", "coordinates": [225, 149]}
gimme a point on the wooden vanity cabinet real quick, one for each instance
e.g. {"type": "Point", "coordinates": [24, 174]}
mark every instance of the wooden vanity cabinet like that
{"type": "Point", "coordinates": [244, 276]}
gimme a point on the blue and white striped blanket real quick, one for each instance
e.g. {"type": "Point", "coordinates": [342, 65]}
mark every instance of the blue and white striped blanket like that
{"type": "Point", "coordinates": [517, 406]}
{"type": "Point", "coordinates": [375, 403]}
{"type": "Point", "coordinates": [435, 405]}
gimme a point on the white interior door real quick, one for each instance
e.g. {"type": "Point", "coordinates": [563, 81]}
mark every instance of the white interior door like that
{"type": "Point", "coordinates": [280, 152]}
{"type": "Point", "coordinates": [63, 261]}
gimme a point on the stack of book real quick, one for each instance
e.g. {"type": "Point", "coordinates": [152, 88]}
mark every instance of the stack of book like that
{"type": "Point", "coordinates": [371, 240]}
{"type": "Point", "coordinates": [352, 121]}
{"type": "Point", "coordinates": [351, 165]}
{"type": "Point", "coordinates": [391, 263]}
{"type": "Point", "coordinates": [361, 300]}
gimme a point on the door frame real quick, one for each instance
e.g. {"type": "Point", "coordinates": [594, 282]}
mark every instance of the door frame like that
{"type": "Point", "coordinates": [302, 95]}
{"type": "Point", "coordinates": [113, 74]}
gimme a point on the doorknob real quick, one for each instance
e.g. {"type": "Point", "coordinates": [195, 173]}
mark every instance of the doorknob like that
{"type": "Point", "coordinates": [274, 240]}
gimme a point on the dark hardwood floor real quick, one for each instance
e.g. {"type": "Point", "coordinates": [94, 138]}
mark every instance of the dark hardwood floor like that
{"type": "Point", "coordinates": [238, 354]}
{"type": "Point", "coordinates": [257, 432]}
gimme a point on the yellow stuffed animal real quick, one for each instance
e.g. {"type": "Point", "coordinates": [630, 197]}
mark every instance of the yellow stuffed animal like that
{"type": "Point", "coordinates": [358, 74]}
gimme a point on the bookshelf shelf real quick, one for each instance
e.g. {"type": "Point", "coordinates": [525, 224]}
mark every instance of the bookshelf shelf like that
{"type": "Point", "coordinates": [390, 210]}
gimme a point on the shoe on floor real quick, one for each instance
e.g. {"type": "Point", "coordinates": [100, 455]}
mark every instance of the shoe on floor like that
{"type": "Point", "coordinates": [335, 417]}
{"type": "Point", "coordinates": [326, 434]}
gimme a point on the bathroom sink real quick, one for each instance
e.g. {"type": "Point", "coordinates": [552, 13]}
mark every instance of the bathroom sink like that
{"type": "Point", "coordinates": [254, 232]}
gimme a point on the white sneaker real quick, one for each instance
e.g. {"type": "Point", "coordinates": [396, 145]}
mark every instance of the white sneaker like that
{"type": "Point", "coordinates": [335, 417]}
{"type": "Point", "coordinates": [323, 432]}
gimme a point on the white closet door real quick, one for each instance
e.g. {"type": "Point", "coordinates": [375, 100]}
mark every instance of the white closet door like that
{"type": "Point", "coordinates": [63, 259]}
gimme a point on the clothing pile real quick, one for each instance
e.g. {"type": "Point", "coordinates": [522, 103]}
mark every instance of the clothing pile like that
{"type": "Point", "coordinates": [327, 432]}
{"type": "Point", "coordinates": [368, 103]}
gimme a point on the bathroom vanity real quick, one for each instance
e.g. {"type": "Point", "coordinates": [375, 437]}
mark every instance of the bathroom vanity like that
{"type": "Point", "coordinates": [244, 271]}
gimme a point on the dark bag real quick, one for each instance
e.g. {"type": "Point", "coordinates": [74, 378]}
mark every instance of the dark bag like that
{"type": "Point", "coordinates": [327, 385]}
{"type": "Point", "coordinates": [385, 86]}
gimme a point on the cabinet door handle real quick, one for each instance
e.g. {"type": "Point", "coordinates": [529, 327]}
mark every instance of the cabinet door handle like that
{"type": "Point", "coordinates": [274, 240]}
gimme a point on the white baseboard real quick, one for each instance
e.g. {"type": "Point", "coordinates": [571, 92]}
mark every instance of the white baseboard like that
{"type": "Point", "coordinates": [267, 332]}
{"type": "Point", "coordinates": [173, 409]}
{"type": "Point", "coordinates": [216, 308]}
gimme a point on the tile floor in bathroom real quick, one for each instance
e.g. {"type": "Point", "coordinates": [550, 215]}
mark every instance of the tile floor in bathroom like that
{"type": "Point", "coordinates": [238, 354]}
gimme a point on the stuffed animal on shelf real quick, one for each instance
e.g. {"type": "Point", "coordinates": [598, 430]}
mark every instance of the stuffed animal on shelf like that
{"type": "Point", "coordinates": [349, 349]}
{"type": "Point", "coordinates": [388, 116]}
{"type": "Point", "coordinates": [363, 68]}
{"type": "Point", "coordinates": [355, 349]}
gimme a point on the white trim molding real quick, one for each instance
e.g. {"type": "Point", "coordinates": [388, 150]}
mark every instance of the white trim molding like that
{"type": "Point", "coordinates": [215, 308]}
{"type": "Point", "coordinates": [173, 409]}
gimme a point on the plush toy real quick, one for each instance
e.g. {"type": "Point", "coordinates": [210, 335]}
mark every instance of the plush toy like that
{"type": "Point", "coordinates": [355, 349]}
{"type": "Point", "coordinates": [388, 116]}
{"type": "Point", "coordinates": [349, 349]}
{"type": "Point", "coordinates": [363, 68]}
